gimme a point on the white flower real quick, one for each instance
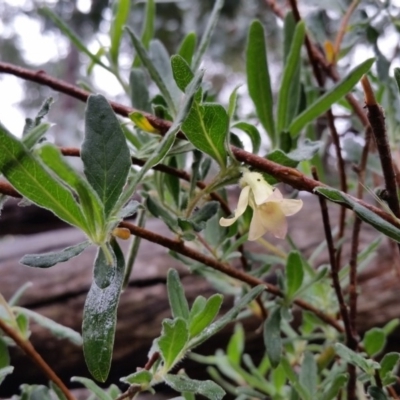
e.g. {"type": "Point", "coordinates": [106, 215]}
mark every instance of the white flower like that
{"type": "Point", "coordinates": [270, 209]}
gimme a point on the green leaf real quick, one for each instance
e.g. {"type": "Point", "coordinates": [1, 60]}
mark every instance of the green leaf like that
{"type": "Point", "coordinates": [228, 317]}
{"type": "Point", "coordinates": [294, 380]}
{"type": "Point", "coordinates": [182, 383]}
{"type": "Point", "coordinates": [167, 141]}
{"type": "Point", "coordinates": [374, 341]}
{"type": "Point", "coordinates": [89, 384]}
{"type": "Point", "coordinates": [197, 306]}
{"type": "Point", "coordinates": [4, 355]}
{"type": "Point", "coordinates": [104, 266]}
{"type": "Point", "coordinates": [309, 374]}
{"type": "Point", "coordinates": [258, 79]}
{"type": "Point", "coordinates": [187, 47]}
{"type": "Point", "coordinates": [99, 320]}
{"type": "Point", "coordinates": [58, 330]}
{"type": "Point", "coordinates": [173, 340]}
{"type": "Point", "coordinates": [272, 337]}
{"type": "Point", "coordinates": [176, 295]}
{"type": "Point", "coordinates": [88, 199]}
{"type": "Point", "coordinates": [362, 212]}
{"type": "Point", "coordinates": [47, 260]}
{"type": "Point", "coordinates": [23, 325]}
{"type": "Point", "coordinates": [5, 371]}
{"type": "Point", "coordinates": [390, 326]}
{"type": "Point", "coordinates": [35, 134]}
{"type": "Point", "coordinates": [104, 153]}
{"type": "Point", "coordinates": [290, 84]}
{"type": "Point", "coordinates": [338, 383]}
{"type": "Point", "coordinates": [148, 27]}
{"type": "Point", "coordinates": [294, 273]}
{"type": "Point", "coordinates": [397, 77]}
{"type": "Point", "coordinates": [199, 218]}
{"type": "Point", "coordinates": [235, 347]}
{"type": "Point", "coordinates": [121, 12]}
{"type": "Point", "coordinates": [356, 359]}
{"type": "Point", "coordinates": [152, 69]}
{"type": "Point", "coordinates": [139, 90]}
{"type": "Point", "coordinates": [138, 378]}
{"type": "Point", "coordinates": [332, 96]}
{"type": "Point", "coordinates": [252, 133]}
{"type": "Point", "coordinates": [377, 393]}
{"type": "Point", "coordinates": [206, 127]}
{"type": "Point", "coordinates": [30, 178]}
{"type": "Point", "coordinates": [388, 363]}
{"type": "Point", "coordinates": [71, 35]}
{"type": "Point", "coordinates": [201, 320]}
{"type": "Point", "coordinates": [305, 150]}
{"type": "Point", "coordinates": [183, 75]}
{"type": "Point", "coordinates": [205, 40]}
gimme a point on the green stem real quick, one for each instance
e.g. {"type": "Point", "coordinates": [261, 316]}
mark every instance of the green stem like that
{"type": "Point", "coordinates": [273, 249]}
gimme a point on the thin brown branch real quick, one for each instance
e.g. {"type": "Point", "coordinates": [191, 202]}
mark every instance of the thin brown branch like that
{"type": "Point", "coordinates": [342, 179]}
{"type": "Point", "coordinates": [343, 27]}
{"type": "Point", "coordinates": [344, 312]}
{"type": "Point", "coordinates": [29, 350]}
{"type": "Point", "coordinates": [316, 57]}
{"type": "Point", "coordinates": [75, 152]}
{"type": "Point", "coordinates": [275, 8]}
{"type": "Point", "coordinates": [181, 248]}
{"type": "Point", "coordinates": [377, 121]}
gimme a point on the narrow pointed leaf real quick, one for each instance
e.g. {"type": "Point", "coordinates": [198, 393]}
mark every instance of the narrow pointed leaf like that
{"type": "Point", "coordinates": [151, 68]}
{"type": "Point", "coordinates": [121, 13]}
{"type": "Point", "coordinates": [228, 317]}
{"type": "Point", "coordinates": [139, 89]}
{"type": "Point", "coordinates": [183, 75]}
{"type": "Point", "coordinates": [167, 141]}
{"type": "Point", "coordinates": [204, 318]}
{"type": "Point", "coordinates": [187, 47]}
{"type": "Point", "coordinates": [272, 337]}
{"type": "Point", "coordinates": [30, 178]}
{"type": "Point", "coordinates": [182, 383]}
{"type": "Point", "coordinates": [173, 340]}
{"type": "Point", "coordinates": [206, 127]}
{"type": "Point", "coordinates": [294, 273]}
{"type": "Point", "coordinates": [333, 389]}
{"type": "Point", "coordinates": [58, 330]}
{"type": "Point", "coordinates": [138, 377]}
{"type": "Point", "coordinates": [309, 374]}
{"type": "Point", "coordinates": [70, 34]}
{"type": "Point", "coordinates": [89, 384]}
{"type": "Point", "coordinates": [47, 260]}
{"type": "Point", "coordinates": [332, 96]}
{"type": "Point", "coordinates": [176, 295]}
{"type": "Point", "coordinates": [290, 79]}
{"type": "Point", "coordinates": [90, 202]}
{"type": "Point", "coordinates": [5, 371]}
{"type": "Point", "coordinates": [105, 153]}
{"type": "Point", "coordinates": [148, 28]}
{"type": "Point", "coordinates": [252, 133]}
{"type": "Point", "coordinates": [205, 40]}
{"type": "Point", "coordinates": [258, 79]}
{"type": "Point", "coordinates": [99, 321]}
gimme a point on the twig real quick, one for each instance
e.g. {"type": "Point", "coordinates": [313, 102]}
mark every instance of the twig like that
{"type": "Point", "coordinates": [29, 350]}
{"type": "Point", "coordinates": [75, 152]}
{"type": "Point", "coordinates": [343, 27]}
{"type": "Point", "coordinates": [180, 248]}
{"type": "Point", "coordinates": [316, 57]}
{"type": "Point", "coordinates": [344, 312]}
{"type": "Point", "coordinates": [134, 389]}
{"type": "Point", "coordinates": [377, 122]}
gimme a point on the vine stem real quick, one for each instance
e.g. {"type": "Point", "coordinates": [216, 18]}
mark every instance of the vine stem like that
{"type": "Point", "coordinates": [30, 351]}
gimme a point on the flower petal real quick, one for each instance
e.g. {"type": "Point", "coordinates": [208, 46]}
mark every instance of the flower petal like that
{"type": "Point", "coordinates": [273, 219]}
{"type": "Point", "coordinates": [290, 206]}
{"type": "Point", "coordinates": [260, 188]}
{"type": "Point", "coordinates": [241, 207]}
{"type": "Point", "coordinates": [257, 229]}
